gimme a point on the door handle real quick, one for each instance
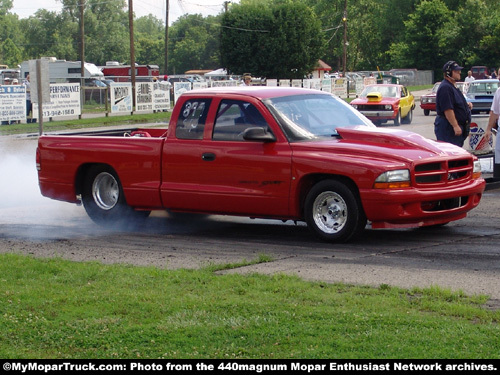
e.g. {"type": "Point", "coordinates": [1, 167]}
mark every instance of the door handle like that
{"type": "Point", "coordinates": [208, 156]}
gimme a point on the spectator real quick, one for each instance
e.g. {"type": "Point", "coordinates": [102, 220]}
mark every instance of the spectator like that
{"type": "Point", "coordinates": [453, 112]}
{"type": "Point", "coordinates": [469, 77]}
{"type": "Point", "coordinates": [29, 104]}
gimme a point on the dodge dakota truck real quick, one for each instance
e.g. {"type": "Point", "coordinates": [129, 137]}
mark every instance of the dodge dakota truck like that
{"type": "Point", "coordinates": [264, 152]}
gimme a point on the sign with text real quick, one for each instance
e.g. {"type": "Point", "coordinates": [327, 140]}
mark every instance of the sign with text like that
{"type": "Point", "coordinates": [12, 103]}
{"type": "Point", "coordinates": [64, 101]}
{"type": "Point", "coordinates": [152, 96]}
{"type": "Point", "coordinates": [121, 97]}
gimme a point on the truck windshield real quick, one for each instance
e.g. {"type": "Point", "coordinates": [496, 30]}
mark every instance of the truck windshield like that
{"type": "Point", "coordinates": [307, 117]}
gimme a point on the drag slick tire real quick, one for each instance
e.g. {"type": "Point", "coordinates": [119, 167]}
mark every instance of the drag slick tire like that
{"type": "Point", "coordinates": [333, 211]}
{"type": "Point", "coordinates": [103, 198]}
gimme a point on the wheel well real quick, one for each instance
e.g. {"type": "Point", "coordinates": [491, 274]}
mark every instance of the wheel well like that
{"type": "Point", "coordinates": [309, 181]}
{"type": "Point", "coordinates": [82, 172]}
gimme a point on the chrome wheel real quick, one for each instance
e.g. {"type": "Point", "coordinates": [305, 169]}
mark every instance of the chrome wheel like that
{"type": "Point", "coordinates": [330, 212]}
{"type": "Point", "coordinates": [105, 191]}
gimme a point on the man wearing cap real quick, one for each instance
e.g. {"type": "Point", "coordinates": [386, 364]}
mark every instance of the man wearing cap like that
{"type": "Point", "coordinates": [453, 112]}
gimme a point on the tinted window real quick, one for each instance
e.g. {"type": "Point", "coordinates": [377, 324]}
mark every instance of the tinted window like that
{"type": "Point", "coordinates": [234, 117]}
{"type": "Point", "coordinates": [191, 121]}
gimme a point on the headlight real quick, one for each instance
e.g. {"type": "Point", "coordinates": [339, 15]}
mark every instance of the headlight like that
{"type": "Point", "coordinates": [388, 106]}
{"type": "Point", "coordinates": [476, 172]}
{"type": "Point", "coordinates": [424, 100]}
{"type": "Point", "coordinates": [355, 106]}
{"type": "Point", "coordinates": [393, 179]}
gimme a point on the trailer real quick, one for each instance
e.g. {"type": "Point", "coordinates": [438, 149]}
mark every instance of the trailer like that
{"type": "Point", "coordinates": [122, 73]}
{"type": "Point", "coordinates": [62, 71]}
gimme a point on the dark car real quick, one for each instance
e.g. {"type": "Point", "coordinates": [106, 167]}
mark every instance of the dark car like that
{"type": "Point", "coordinates": [428, 101]}
{"type": "Point", "coordinates": [480, 93]}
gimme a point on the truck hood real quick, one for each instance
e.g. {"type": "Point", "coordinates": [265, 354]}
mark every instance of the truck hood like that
{"type": "Point", "coordinates": [389, 144]}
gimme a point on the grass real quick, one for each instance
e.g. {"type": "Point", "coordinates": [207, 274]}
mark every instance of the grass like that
{"type": "Point", "coordinates": [53, 308]}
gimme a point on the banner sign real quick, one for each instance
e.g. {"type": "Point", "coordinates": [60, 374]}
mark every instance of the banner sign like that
{"type": "Point", "coordinates": [64, 101]}
{"type": "Point", "coordinates": [339, 87]}
{"type": "Point", "coordinates": [121, 97]}
{"type": "Point", "coordinates": [12, 103]}
{"type": "Point", "coordinates": [181, 87]}
{"type": "Point", "coordinates": [161, 96]}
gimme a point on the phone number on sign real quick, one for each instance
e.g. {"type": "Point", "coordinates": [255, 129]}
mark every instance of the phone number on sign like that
{"type": "Point", "coordinates": [59, 112]}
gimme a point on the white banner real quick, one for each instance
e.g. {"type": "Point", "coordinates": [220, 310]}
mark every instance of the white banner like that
{"type": "Point", "coordinates": [64, 101]}
{"type": "Point", "coordinates": [12, 103]}
{"type": "Point", "coordinates": [339, 87]}
{"type": "Point", "coordinates": [121, 97]}
{"type": "Point", "coordinates": [181, 87]}
{"type": "Point", "coordinates": [161, 96]}
{"type": "Point", "coordinates": [326, 85]}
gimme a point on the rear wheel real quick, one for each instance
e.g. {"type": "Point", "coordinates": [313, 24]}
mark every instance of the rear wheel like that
{"type": "Point", "coordinates": [103, 198]}
{"type": "Point", "coordinates": [409, 117]}
{"type": "Point", "coordinates": [333, 212]}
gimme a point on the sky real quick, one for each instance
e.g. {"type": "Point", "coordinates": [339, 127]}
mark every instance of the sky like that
{"type": "Point", "coordinates": [26, 8]}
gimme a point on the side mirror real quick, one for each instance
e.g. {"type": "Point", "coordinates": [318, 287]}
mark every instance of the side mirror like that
{"type": "Point", "coordinates": [258, 134]}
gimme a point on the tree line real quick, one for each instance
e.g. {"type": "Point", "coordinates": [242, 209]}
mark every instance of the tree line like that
{"type": "Point", "coordinates": [270, 38]}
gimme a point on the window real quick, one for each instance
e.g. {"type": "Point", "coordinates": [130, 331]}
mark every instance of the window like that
{"type": "Point", "coordinates": [234, 117]}
{"type": "Point", "coordinates": [191, 121]}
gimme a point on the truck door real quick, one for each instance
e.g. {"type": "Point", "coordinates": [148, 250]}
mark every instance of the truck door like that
{"type": "Point", "coordinates": [223, 172]}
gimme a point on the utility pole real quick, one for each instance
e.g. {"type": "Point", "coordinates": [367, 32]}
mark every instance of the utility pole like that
{"type": "Point", "coordinates": [166, 37]}
{"type": "Point", "coordinates": [132, 52]}
{"type": "Point", "coordinates": [82, 55]}
{"type": "Point", "coordinates": [344, 19]}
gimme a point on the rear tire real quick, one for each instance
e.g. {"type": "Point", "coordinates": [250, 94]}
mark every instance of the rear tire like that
{"type": "Point", "coordinates": [409, 117]}
{"type": "Point", "coordinates": [333, 212]}
{"type": "Point", "coordinates": [103, 198]}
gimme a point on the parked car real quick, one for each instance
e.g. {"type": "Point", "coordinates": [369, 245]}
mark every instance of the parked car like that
{"type": "Point", "coordinates": [480, 93]}
{"type": "Point", "coordinates": [428, 101]}
{"type": "Point", "coordinates": [384, 102]}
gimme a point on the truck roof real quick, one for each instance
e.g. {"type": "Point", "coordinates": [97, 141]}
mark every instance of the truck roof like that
{"type": "Point", "coordinates": [260, 92]}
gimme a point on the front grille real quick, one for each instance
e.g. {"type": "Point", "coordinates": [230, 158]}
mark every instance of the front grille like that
{"type": "Point", "coordinates": [443, 173]}
{"type": "Point", "coordinates": [374, 107]}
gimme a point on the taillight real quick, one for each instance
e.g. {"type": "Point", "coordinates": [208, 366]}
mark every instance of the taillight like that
{"type": "Point", "coordinates": [38, 160]}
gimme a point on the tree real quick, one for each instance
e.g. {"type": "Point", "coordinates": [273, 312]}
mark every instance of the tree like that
{"type": "Point", "coordinates": [422, 45]}
{"type": "Point", "coordinates": [273, 39]}
{"type": "Point", "coordinates": [194, 43]}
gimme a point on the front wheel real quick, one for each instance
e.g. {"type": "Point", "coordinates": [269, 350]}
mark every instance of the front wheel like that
{"type": "Point", "coordinates": [103, 198]}
{"type": "Point", "coordinates": [333, 212]}
{"type": "Point", "coordinates": [397, 120]}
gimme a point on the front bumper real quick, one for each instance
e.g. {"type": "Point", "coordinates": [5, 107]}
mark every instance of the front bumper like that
{"type": "Point", "coordinates": [414, 207]}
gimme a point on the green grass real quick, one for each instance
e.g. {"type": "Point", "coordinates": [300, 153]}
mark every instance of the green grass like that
{"type": "Point", "coordinates": [53, 308]}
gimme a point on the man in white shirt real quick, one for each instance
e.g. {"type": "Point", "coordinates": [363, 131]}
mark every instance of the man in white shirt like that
{"type": "Point", "coordinates": [493, 123]}
{"type": "Point", "coordinates": [469, 77]}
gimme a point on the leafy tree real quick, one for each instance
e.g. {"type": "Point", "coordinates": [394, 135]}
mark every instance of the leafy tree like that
{"type": "Point", "coordinates": [11, 54]}
{"type": "Point", "coordinates": [422, 45]}
{"type": "Point", "coordinates": [274, 39]}
{"type": "Point", "coordinates": [194, 43]}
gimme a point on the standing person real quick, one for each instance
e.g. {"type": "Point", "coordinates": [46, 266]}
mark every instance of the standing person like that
{"type": "Point", "coordinates": [493, 124]}
{"type": "Point", "coordinates": [247, 80]}
{"type": "Point", "coordinates": [469, 77]}
{"type": "Point", "coordinates": [453, 112]}
{"type": "Point", "coordinates": [29, 105]}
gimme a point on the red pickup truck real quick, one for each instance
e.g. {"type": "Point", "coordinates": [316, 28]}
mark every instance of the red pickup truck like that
{"type": "Point", "coordinates": [281, 153]}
